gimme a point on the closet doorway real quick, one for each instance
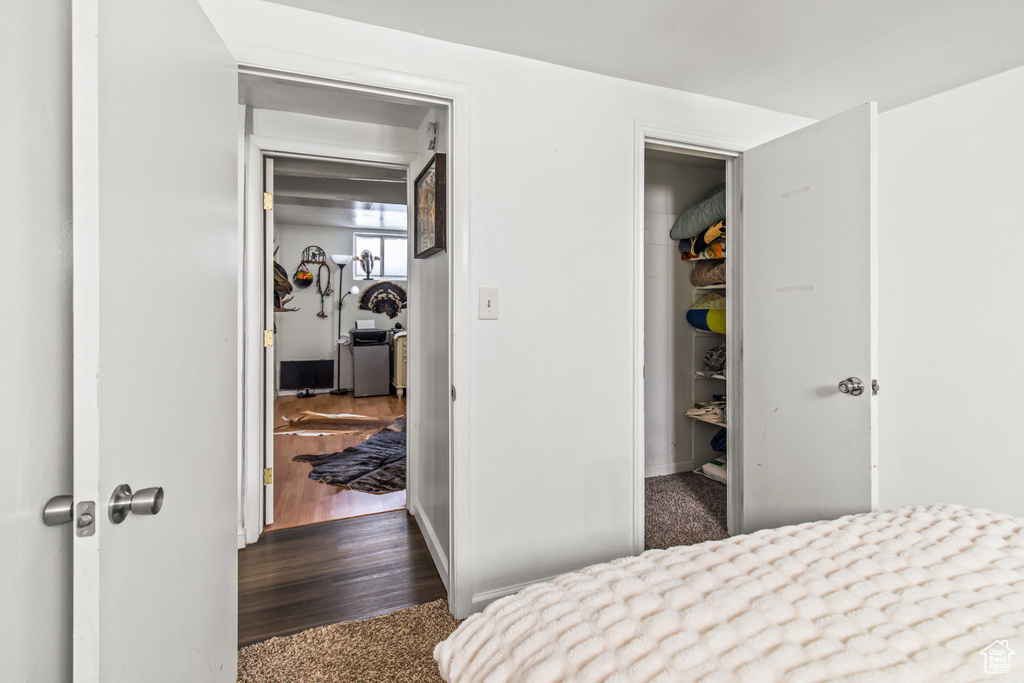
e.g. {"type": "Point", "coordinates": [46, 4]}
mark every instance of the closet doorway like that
{"type": "Point", "coordinates": [685, 341]}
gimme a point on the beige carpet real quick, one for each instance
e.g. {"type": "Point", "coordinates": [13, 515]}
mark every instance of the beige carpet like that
{"type": "Point", "coordinates": [396, 647]}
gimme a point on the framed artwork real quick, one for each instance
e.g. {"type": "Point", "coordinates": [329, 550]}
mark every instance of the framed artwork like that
{"type": "Point", "coordinates": [429, 193]}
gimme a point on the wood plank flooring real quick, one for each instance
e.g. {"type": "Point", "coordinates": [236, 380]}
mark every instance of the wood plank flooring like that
{"type": "Point", "coordinates": [298, 578]}
{"type": "Point", "coordinates": [297, 499]}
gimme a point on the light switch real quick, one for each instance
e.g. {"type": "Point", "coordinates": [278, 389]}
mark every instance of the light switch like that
{"type": "Point", "coordinates": [488, 303]}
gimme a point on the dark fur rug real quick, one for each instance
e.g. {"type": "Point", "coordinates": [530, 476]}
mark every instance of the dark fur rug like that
{"type": "Point", "coordinates": [375, 466]}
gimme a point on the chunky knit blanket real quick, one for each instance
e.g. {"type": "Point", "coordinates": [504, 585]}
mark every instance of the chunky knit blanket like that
{"type": "Point", "coordinates": [914, 594]}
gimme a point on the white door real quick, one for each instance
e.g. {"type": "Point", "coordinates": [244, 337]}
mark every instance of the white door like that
{"type": "Point", "coordinates": [269, 364]}
{"type": "Point", "coordinates": [155, 340]}
{"type": "Point", "coordinates": [808, 322]}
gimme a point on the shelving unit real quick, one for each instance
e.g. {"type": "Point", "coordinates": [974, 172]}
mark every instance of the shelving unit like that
{"type": "Point", "coordinates": [702, 386]}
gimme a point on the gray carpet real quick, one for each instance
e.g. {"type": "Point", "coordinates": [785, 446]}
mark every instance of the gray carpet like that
{"type": "Point", "coordinates": [683, 509]}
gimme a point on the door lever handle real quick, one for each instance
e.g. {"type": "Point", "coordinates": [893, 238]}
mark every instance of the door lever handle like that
{"type": "Point", "coordinates": [144, 502]}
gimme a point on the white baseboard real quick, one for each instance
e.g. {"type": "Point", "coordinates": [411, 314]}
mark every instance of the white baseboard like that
{"type": "Point", "coordinates": [241, 538]}
{"type": "Point", "coordinates": [433, 545]}
{"type": "Point", "coordinates": [481, 600]}
{"type": "Point", "coordinates": [662, 468]}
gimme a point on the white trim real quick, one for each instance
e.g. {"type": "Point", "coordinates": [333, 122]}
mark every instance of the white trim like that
{"type": "Point", "coordinates": [695, 143]}
{"type": "Point", "coordinates": [456, 97]}
{"type": "Point", "coordinates": [482, 600]}
{"type": "Point", "coordinates": [663, 468]}
{"type": "Point", "coordinates": [430, 537]}
{"type": "Point", "coordinates": [241, 538]}
{"type": "Point", "coordinates": [734, 345]}
{"type": "Point", "coordinates": [85, 254]}
{"type": "Point", "coordinates": [252, 420]}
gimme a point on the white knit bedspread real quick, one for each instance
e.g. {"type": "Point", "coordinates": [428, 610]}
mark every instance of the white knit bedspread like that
{"type": "Point", "coordinates": [908, 595]}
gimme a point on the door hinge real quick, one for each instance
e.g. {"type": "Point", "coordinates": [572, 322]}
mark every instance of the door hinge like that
{"type": "Point", "coordinates": [268, 476]}
{"type": "Point", "coordinates": [874, 387]}
{"type": "Point", "coordinates": [268, 201]}
{"type": "Point", "coordinates": [268, 338]}
{"type": "Point", "coordinates": [645, 370]}
{"type": "Point", "coordinates": [453, 392]}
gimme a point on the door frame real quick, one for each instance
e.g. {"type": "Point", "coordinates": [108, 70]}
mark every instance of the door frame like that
{"type": "Point", "coordinates": [730, 150]}
{"type": "Point", "coordinates": [455, 98]}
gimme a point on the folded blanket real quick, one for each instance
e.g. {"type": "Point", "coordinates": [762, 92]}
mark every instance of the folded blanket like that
{"type": "Point", "coordinates": [714, 251]}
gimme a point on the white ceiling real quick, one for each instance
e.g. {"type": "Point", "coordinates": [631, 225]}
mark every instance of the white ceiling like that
{"type": "Point", "coordinates": [809, 57]}
{"type": "Point", "coordinates": [339, 194]}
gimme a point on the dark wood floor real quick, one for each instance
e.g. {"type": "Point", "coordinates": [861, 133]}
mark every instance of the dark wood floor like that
{"type": "Point", "coordinates": [294, 579]}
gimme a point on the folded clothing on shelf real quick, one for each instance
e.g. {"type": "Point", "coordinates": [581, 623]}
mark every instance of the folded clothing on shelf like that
{"type": "Point", "coordinates": [718, 441]}
{"type": "Point", "coordinates": [714, 251]}
{"type": "Point", "coordinates": [714, 360]}
{"type": "Point", "coordinates": [708, 410]}
{"type": "Point", "coordinates": [708, 273]}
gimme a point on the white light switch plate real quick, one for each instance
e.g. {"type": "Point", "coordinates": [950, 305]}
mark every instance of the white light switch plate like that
{"type": "Point", "coordinates": [488, 303]}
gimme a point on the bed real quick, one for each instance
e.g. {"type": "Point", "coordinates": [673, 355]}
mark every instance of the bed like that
{"type": "Point", "coordinates": [914, 594]}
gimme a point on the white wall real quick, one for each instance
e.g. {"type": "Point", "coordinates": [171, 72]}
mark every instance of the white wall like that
{"type": "Point", "coordinates": [950, 323]}
{"type": "Point", "coordinates": [545, 395]}
{"type": "Point", "coordinates": [429, 363]}
{"type": "Point", "coordinates": [669, 189]}
{"type": "Point", "coordinates": [302, 335]}
{"type": "Point", "coordinates": [35, 340]}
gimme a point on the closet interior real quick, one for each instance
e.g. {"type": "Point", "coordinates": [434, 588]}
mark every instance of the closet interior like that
{"type": "Point", "coordinates": [685, 382]}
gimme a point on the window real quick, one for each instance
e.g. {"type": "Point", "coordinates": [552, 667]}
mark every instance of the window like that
{"type": "Point", "coordinates": [391, 250]}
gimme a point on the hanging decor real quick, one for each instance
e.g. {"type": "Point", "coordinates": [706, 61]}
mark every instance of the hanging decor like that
{"type": "Point", "coordinates": [324, 290]}
{"type": "Point", "coordinates": [384, 297]}
{"type": "Point", "coordinates": [311, 255]}
{"type": "Point", "coordinates": [429, 195]}
{"type": "Point", "coordinates": [282, 288]}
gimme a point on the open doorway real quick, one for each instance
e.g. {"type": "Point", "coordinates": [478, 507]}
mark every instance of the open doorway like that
{"type": "Point", "coordinates": [348, 329]}
{"type": "Point", "coordinates": [340, 338]}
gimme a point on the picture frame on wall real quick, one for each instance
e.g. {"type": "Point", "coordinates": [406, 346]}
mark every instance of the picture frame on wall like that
{"type": "Point", "coordinates": [429, 196]}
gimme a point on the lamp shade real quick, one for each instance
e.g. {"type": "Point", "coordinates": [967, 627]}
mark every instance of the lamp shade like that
{"type": "Point", "coordinates": [342, 259]}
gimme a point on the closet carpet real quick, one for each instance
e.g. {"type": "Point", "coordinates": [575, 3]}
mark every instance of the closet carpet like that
{"type": "Point", "coordinates": [394, 648]}
{"type": "Point", "coordinates": [683, 509]}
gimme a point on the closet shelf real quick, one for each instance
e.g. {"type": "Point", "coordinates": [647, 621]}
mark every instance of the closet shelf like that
{"type": "Point", "coordinates": [721, 286]}
{"type": "Point", "coordinates": [706, 419]}
{"type": "Point", "coordinates": [703, 375]}
{"type": "Point", "coordinates": [706, 333]}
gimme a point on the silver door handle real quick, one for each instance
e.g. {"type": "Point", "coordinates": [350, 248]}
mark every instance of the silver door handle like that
{"type": "Point", "coordinates": [58, 510]}
{"type": "Point", "coordinates": [852, 386]}
{"type": "Point", "coordinates": [144, 502]}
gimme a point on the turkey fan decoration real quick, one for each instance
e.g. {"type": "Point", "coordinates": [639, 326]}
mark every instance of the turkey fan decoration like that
{"type": "Point", "coordinates": [384, 297]}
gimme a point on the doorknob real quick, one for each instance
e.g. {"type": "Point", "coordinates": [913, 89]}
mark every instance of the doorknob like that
{"type": "Point", "coordinates": [144, 502]}
{"type": "Point", "coordinates": [852, 386]}
{"type": "Point", "coordinates": [58, 510]}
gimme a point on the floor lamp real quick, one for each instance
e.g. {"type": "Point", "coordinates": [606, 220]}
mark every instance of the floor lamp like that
{"type": "Point", "coordinates": [342, 260]}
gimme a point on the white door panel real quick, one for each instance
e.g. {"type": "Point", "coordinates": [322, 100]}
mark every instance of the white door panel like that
{"type": "Point", "coordinates": [808, 318]}
{"type": "Point", "coordinates": [155, 352]}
